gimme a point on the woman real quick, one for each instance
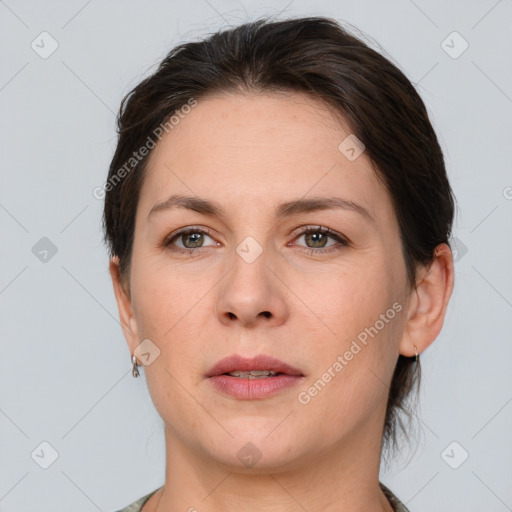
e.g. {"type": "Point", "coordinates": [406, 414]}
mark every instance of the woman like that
{"type": "Point", "coordinates": [278, 214]}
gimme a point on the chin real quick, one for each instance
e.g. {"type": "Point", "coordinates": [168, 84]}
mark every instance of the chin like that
{"type": "Point", "coordinates": [259, 449]}
{"type": "Point", "coordinates": [253, 458]}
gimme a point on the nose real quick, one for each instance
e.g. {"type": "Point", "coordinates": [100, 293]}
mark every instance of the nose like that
{"type": "Point", "coordinates": [252, 294]}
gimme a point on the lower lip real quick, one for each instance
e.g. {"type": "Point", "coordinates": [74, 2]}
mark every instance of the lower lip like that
{"type": "Point", "coordinates": [251, 389]}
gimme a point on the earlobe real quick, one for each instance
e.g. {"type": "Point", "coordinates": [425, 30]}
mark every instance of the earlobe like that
{"type": "Point", "coordinates": [124, 305]}
{"type": "Point", "coordinates": [429, 302]}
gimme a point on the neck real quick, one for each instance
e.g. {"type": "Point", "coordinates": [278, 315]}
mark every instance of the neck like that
{"type": "Point", "coordinates": [344, 477]}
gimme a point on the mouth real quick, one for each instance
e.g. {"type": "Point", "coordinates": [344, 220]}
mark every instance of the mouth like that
{"type": "Point", "coordinates": [253, 378]}
{"type": "Point", "coordinates": [259, 367]}
{"type": "Point", "coordinates": [253, 374]}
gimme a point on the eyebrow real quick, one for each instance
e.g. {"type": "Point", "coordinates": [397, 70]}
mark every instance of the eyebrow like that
{"type": "Point", "coordinates": [287, 209]}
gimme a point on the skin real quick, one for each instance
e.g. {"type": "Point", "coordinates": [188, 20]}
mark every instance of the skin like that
{"type": "Point", "coordinates": [251, 153]}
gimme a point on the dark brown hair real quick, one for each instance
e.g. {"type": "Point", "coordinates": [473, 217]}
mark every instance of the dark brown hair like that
{"type": "Point", "coordinates": [311, 55]}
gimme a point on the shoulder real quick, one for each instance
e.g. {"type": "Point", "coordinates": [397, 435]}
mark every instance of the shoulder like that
{"type": "Point", "coordinates": [397, 505]}
{"type": "Point", "coordinates": [137, 505]}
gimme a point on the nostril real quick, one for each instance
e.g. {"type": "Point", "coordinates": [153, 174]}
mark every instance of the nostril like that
{"type": "Point", "coordinates": [266, 313]}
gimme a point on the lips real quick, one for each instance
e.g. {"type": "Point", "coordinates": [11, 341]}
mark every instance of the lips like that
{"type": "Point", "coordinates": [256, 378]}
{"type": "Point", "coordinates": [236, 363]}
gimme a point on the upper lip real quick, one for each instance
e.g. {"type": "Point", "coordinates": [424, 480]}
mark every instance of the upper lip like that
{"type": "Point", "coordinates": [260, 362]}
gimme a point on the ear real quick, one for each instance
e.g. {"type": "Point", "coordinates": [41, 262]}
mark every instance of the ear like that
{"type": "Point", "coordinates": [124, 305]}
{"type": "Point", "coordinates": [428, 303]}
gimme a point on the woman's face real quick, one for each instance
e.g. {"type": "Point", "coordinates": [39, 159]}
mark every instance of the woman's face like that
{"type": "Point", "coordinates": [246, 280]}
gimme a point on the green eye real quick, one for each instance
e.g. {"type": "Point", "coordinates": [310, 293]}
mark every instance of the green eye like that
{"type": "Point", "coordinates": [190, 238]}
{"type": "Point", "coordinates": [318, 237]}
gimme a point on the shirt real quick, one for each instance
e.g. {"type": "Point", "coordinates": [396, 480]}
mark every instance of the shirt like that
{"type": "Point", "coordinates": [397, 505]}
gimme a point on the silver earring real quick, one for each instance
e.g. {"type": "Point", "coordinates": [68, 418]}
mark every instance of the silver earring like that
{"type": "Point", "coordinates": [135, 366]}
{"type": "Point", "coordinates": [417, 356]}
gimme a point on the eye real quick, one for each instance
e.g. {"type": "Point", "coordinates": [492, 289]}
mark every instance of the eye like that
{"type": "Point", "coordinates": [316, 239]}
{"type": "Point", "coordinates": [190, 239]}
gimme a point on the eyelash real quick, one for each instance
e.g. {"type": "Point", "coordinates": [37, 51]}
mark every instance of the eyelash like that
{"type": "Point", "coordinates": [343, 242]}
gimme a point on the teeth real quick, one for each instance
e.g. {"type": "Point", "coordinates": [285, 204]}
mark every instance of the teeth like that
{"type": "Point", "coordinates": [253, 374]}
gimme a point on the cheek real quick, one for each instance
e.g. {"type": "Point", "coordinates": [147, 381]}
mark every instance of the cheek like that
{"type": "Point", "coordinates": [361, 318]}
{"type": "Point", "coordinates": [346, 300]}
{"type": "Point", "coordinates": [171, 314]}
{"type": "Point", "coordinates": [167, 300]}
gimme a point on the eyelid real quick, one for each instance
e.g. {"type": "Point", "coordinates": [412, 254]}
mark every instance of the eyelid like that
{"type": "Point", "coordinates": [318, 227]}
{"type": "Point", "coordinates": [188, 229]}
{"type": "Point", "coordinates": [341, 239]}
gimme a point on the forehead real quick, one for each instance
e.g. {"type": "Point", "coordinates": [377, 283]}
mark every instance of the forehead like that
{"type": "Point", "coordinates": [253, 149]}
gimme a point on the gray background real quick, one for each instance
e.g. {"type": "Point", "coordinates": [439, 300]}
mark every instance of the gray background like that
{"type": "Point", "coordinates": [65, 368]}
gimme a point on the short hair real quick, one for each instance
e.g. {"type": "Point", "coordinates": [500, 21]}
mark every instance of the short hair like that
{"type": "Point", "coordinates": [319, 57]}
